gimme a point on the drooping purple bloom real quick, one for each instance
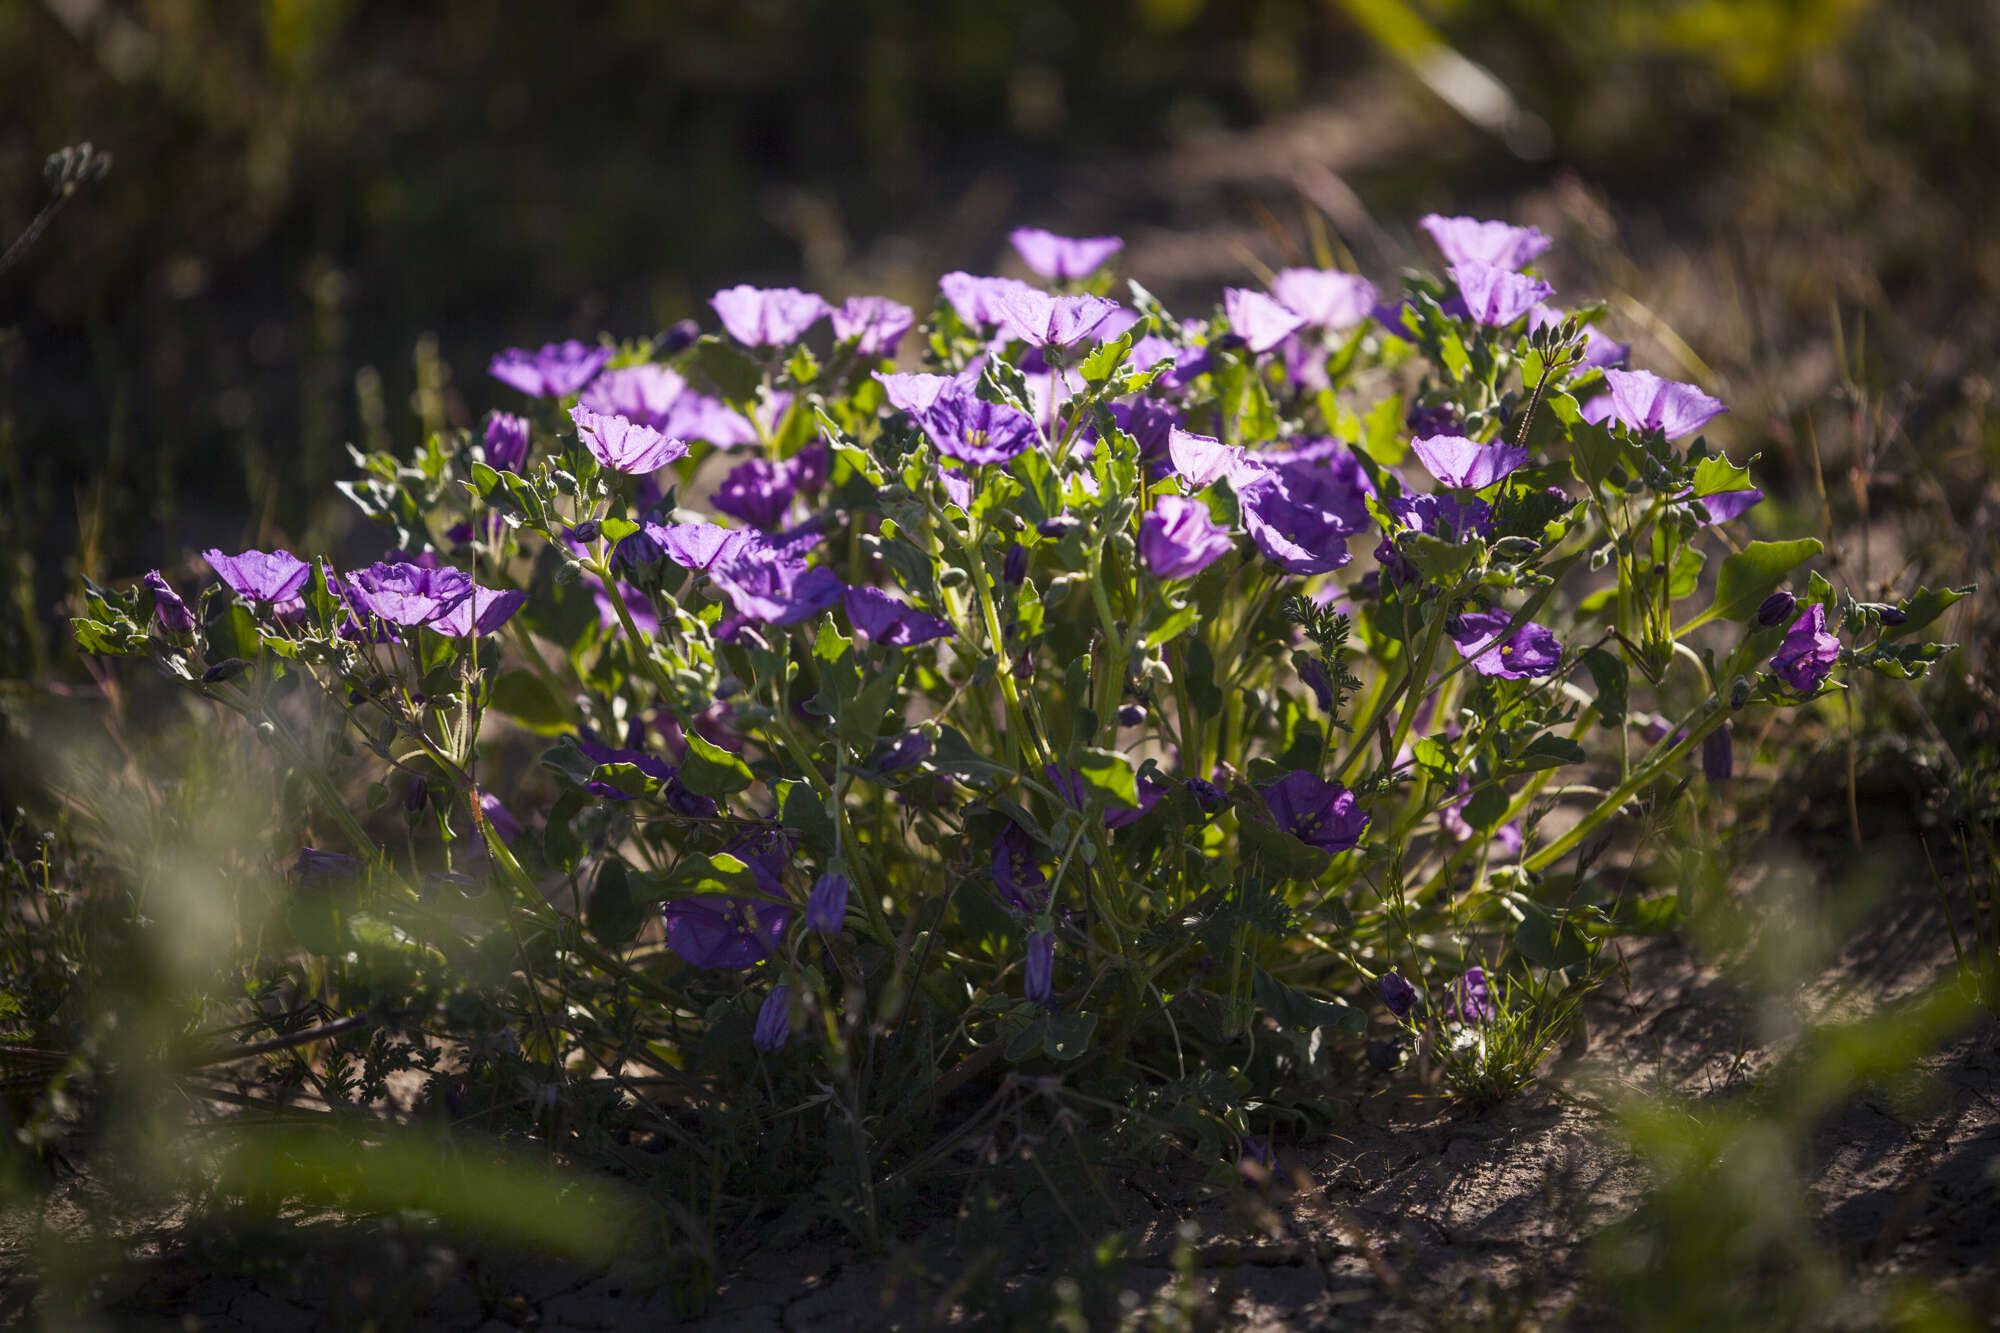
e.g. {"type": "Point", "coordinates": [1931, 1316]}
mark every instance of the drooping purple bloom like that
{"type": "Point", "coordinates": [757, 491]}
{"type": "Point", "coordinates": [1017, 870]}
{"type": "Point", "coordinates": [976, 298]}
{"type": "Point", "coordinates": [1257, 319]}
{"type": "Point", "coordinates": [1179, 539]}
{"type": "Point", "coordinates": [1325, 298]}
{"type": "Point", "coordinates": [484, 612]}
{"type": "Point", "coordinates": [956, 488]}
{"type": "Point", "coordinates": [1014, 566]}
{"type": "Point", "coordinates": [1038, 977]}
{"type": "Point", "coordinates": [880, 618]}
{"type": "Point", "coordinates": [1497, 296]}
{"type": "Point", "coordinates": [1041, 320]}
{"type": "Point", "coordinates": [262, 576]}
{"type": "Point", "coordinates": [1808, 653]}
{"type": "Point", "coordinates": [1320, 813]}
{"type": "Point", "coordinates": [1210, 798]}
{"type": "Point", "coordinates": [826, 906]}
{"type": "Point", "coordinates": [725, 932]}
{"type": "Point", "coordinates": [1529, 651]}
{"type": "Point", "coordinates": [1470, 1000]}
{"type": "Point", "coordinates": [767, 316]}
{"type": "Point", "coordinates": [774, 1021]}
{"type": "Point", "coordinates": [967, 427]}
{"type": "Point", "coordinates": [698, 416]}
{"type": "Point", "coordinates": [1718, 754]}
{"type": "Point", "coordinates": [1726, 506]}
{"type": "Point", "coordinates": [507, 439]}
{"type": "Point", "coordinates": [170, 613]}
{"type": "Point", "coordinates": [504, 824]}
{"type": "Point", "coordinates": [1642, 401]}
{"type": "Point", "coordinates": [1500, 244]}
{"type": "Point", "coordinates": [1776, 609]}
{"type": "Point", "coordinates": [909, 749]}
{"type": "Point", "coordinates": [1398, 995]}
{"type": "Point", "coordinates": [1063, 258]}
{"type": "Point", "coordinates": [622, 444]}
{"type": "Point", "coordinates": [645, 393]}
{"type": "Point", "coordinates": [874, 324]}
{"type": "Point", "coordinates": [1301, 514]}
{"type": "Point", "coordinates": [1201, 460]}
{"type": "Point", "coordinates": [407, 594]}
{"type": "Point", "coordinates": [555, 370]}
{"type": "Point", "coordinates": [1457, 461]}
{"type": "Point", "coordinates": [775, 589]}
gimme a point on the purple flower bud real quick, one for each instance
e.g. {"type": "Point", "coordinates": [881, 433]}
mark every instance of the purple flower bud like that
{"type": "Point", "coordinates": [1257, 1158]}
{"type": "Point", "coordinates": [170, 613]}
{"type": "Point", "coordinates": [506, 441]}
{"type": "Point", "coordinates": [826, 908]}
{"type": "Point", "coordinates": [1131, 715]}
{"type": "Point", "coordinates": [416, 794]}
{"type": "Point", "coordinates": [774, 1020]}
{"type": "Point", "coordinates": [1776, 609]}
{"type": "Point", "coordinates": [1315, 677]}
{"type": "Point", "coordinates": [1894, 615]}
{"type": "Point", "coordinates": [1398, 995]}
{"type": "Point", "coordinates": [1718, 755]}
{"type": "Point", "coordinates": [1471, 1000]}
{"type": "Point", "coordinates": [1211, 798]}
{"type": "Point", "coordinates": [1015, 569]}
{"type": "Point", "coordinates": [678, 337]}
{"type": "Point", "coordinates": [1057, 526]}
{"type": "Point", "coordinates": [1039, 980]}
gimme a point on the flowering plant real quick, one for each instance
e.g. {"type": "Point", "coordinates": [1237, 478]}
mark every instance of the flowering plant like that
{"type": "Point", "coordinates": [1065, 686]}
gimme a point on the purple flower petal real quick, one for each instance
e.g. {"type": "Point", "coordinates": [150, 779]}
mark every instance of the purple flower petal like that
{"type": "Point", "coordinates": [1201, 460]}
{"type": "Point", "coordinates": [1497, 296]}
{"type": "Point", "coordinates": [1457, 461]}
{"type": "Point", "coordinates": [1324, 298]}
{"type": "Point", "coordinates": [975, 298]}
{"type": "Point", "coordinates": [1301, 515]}
{"type": "Point", "coordinates": [410, 595]}
{"type": "Point", "coordinates": [1319, 813]}
{"type": "Point", "coordinates": [1645, 402]}
{"type": "Point", "coordinates": [1529, 651]}
{"type": "Point", "coordinates": [553, 371]}
{"type": "Point", "coordinates": [1179, 539]}
{"type": "Point", "coordinates": [1037, 318]}
{"type": "Point", "coordinates": [622, 444]}
{"type": "Point", "coordinates": [645, 393]}
{"type": "Point", "coordinates": [875, 324]}
{"type": "Point", "coordinates": [170, 613]}
{"type": "Point", "coordinates": [767, 316]}
{"type": "Point", "coordinates": [880, 618]}
{"type": "Point", "coordinates": [507, 439]}
{"type": "Point", "coordinates": [757, 491]}
{"type": "Point", "coordinates": [1500, 244]}
{"type": "Point", "coordinates": [1806, 657]}
{"type": "Point", "coordinates": [1063, 258]}
{"type": "Point", "coordinates": [725, 932]}
{"type": "Point", "coordinates": [1258, 320]}
{"type": "Point", "coordinates": [262, 576]}
{"type": "Point", "coordinates": [482, 613]}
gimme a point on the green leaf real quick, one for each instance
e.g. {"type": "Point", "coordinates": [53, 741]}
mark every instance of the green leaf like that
{"type": "Point", "coordinates": [1289, 1007]}
{"type": "Point", "coordinates": [1109, 776]}
{"type": "Point", "coordinates": [1751, 575]}
{"type": "Point", "coordinates": [1026, 1033]}
{"type": "Point", "coordinates": [1924, 606]}
{"type": "Point", "coordinates": [1550, 939]}
{"type": "Point", "coordinates": [733, 373]}
{"type": "Point", "coordinates": [1382, 432]}
{"type": "Point", "coordinates": [612, 915]}
{"type": "Point", "coordinates": [1713, 476]}
{"type": "Point", "coordinates": [1276, 852]}
{"type": "Point", "coordinates": [1067, 1036]}
{"type": "Point", "coordinates": [617, 529]}
{"type": "Point", "coordinates": [527, 698]}
{"type": "Point", "coordinates": [560, 844]}
{"type": "Point", "coordinates": [1483, 811]}
{"type": "Point", "coordinates": [1041, 488]}
{"type": "Point", "coordinates": [1172, 626]}
{"type": "Point", "coordinates": [697, 876]}
{"type": "Point", "coordinates": [1593, 452]}
{"type": "Point", "coordinates": [1103, 363]}
{"type": "Point", "coordinates": [801, 810]}
{"type": "Point", "coordinates": [710, 770]}
{"type": "Point", "coordinates": [1546, 751]}
{"type": "Point", "coordinates": [1614, 682]}
{"type": "Point", "coordinates": [839, 677]}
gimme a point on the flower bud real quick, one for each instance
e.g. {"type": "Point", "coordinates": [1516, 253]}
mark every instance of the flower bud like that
{"type": "Point", "coordinates": [951, 576]}
{"type": "Point", "coordinates": [416, 793]}
{"type": "Point", "coordinates": [170, 613]}
{"type": "Point", "coordinates": [1398, 995]}
{"type": "Point", "coordinates": [1718, 755]}
{"type": "Point", "coordinates": [1895, 615]}
{"type": "Point", "coordinates": [826, 908]}
{"type": "Point", "coordinates": [1776, 609]}
{"type": "Point", "coordinates": [1040, 972]}
{"type": "Point", "coordinates": [1016, 567]}
{"type": "Point", "coordinates": [774, 1020]}
{"type": "Point", "coordinates": [1739, 694]}
{"type": "Point", "coordinates": [678, 337]}
{"type": "Point", "coordinates": [1131, 715]}
{"type": "Point", "coordinates": [1211, 798]}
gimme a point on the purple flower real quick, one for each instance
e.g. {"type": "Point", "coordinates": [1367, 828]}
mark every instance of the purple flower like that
{"type": "Point", "coordinates": [967, 427]}
{"type": "Point", "coordinates": [774, 1020]}
{"type": "Point", "coordinates": [1529, 651]}
{"type": "Point", "coordinates": [976, 299]}
{"type": "Point", "coordinates": [1014, 568]}
{"type": "Point", "coordinates": [1457, 461]}
{"type": "Point", "coordinates": [1301, 514]}
{"type": "Point", "coordinates": [875, 324]}
{"type": "Point", "coordinates": [1319, 813]}
{"type": "Point", "coordinates": [956, 488]}
{"type": "Point", "coordinates": [1718, 754]}
{"type": "Point", "coordinates": [506, 441]}
{"type": "Point", "coordinates": [553, 371]}
{"type": "Point", "coordinates": [484, 612]}
{"type": "Point", "coordinates": [1039, 976]}
{"type": "Point", "coordinates": [826, 907]}
{"type": "Point", "coordinates": [907, 750]}
{"type": "Point", "coordinates": [1469, 1000]}
{"type": "Point", "coordinates": [1500, 244]}
{"type": "Point", "coordinates": [773, 588]}
{"type": "Point", "coordinates": [880, 618]}
{"type": "Point", "coordinates": [1443, 516]}
{"type": "Point", "coordinates": [1042, 320]}
{"type": "Point", "coordinates": [408, 595]}
{"type": "Point", "coordinates": [1599, 352]}
{"type": "Point", "coordinates": [262, 576]}
{"type": "Point", "coordinates": [1643, 401]}
{"type": "Point", "coordinates": [767, 316]}
{"type": "Point", "coordinates": [1808, 652]}
{"type": "Point", "coordinates": [645, 393]}
{"type": "Point", "coordinates": [1726, 506]}
{"type": "Point", "coordinates": [1398, 995]}
{"type": "Point", "coordinates": [699, 546]}
{"type": "Point", "coordinates": [697, 416]}
{"type": "Point", "coordinates": [1201, 460]}
{"type": "Point", "coordinates": [1324, 298]}
{"type": "Point", "coordinates": [1063, 258]}
{"type": "Point", "coordinates": [724, 932]}
{"type": "Point", "coordinates": [1437, 419]}
{"type": "Point", "coordinates": [170, 613]}
{"type": "Point", "coordinates": [1017, 869]}
{"type": "Point", "coordinates": [504, 824]}
{"type": "Point", "coordinates": [622, 444]}
{"type": "Point", "coordinates": [1179, 539]}
{"type": "Point", "coordinates": [1149, 424]}
{"type": "Point", "coordinates": [915, 392]}
{"type": "Point", "coordinates": [757, 491]}
{"type": "Point", "coordinates": [1210, 798]}
{"type": "Point", "coordinates": [1258, 320]}
{"type": "Point", "coordinates": [1776, 609]}
{"type": "Point", "coordinates": [1496, 296]}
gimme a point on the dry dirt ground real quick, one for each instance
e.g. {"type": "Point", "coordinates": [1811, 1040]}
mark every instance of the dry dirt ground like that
{"type": "Point", "coordinates": [1411, 1216]}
